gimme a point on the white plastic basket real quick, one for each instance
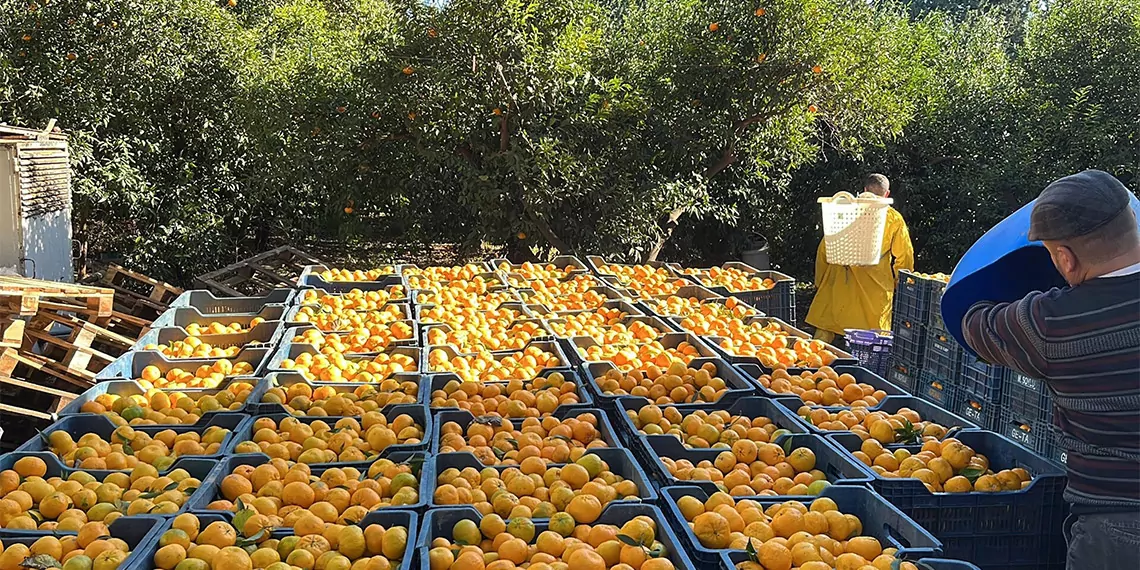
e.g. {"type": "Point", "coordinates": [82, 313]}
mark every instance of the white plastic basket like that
{"type": "Point", "coordinates": [853, 228]}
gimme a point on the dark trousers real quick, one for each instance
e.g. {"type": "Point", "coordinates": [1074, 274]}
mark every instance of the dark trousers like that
{"type": "Point", "coordinates": [1103, 541]}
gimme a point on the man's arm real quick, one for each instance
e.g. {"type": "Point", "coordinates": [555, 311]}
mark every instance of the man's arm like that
{"type": "Point", "coordinates": [1009, 334]}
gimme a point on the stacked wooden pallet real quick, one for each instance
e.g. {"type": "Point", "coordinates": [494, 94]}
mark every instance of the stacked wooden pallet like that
{"type": "Point", "coordinates": [54, 339]}
{"type": "Point", "coordinates": [137, 295]}
{"type": "Point", "coordinates": [259, 274]}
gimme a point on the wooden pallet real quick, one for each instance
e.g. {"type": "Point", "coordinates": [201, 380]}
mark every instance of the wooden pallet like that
{"type": "Point", "coordinates": [137, 294]}
{"type": "Point", "coordinates": [24, 296]}
{"type": "Point", "coordinates": [257, 275]}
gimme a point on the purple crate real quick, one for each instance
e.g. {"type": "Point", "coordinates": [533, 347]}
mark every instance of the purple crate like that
{"type": "Point", "coordinates": [872, 348]}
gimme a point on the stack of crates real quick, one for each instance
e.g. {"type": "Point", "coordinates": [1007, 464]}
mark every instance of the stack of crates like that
{"type": "Point", "coordinates": [909, 323]}
{"type": "Point", "coordinates": [1026, 415]}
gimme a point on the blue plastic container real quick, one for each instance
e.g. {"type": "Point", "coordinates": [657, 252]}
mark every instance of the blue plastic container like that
{"type": "Point", "coordinates": [265, 334]}
{"type": "Point", "coordinates": [656, 322]}
{"type": "Point", "coordinates": [130, 365]}
{"type": "Point", "coordinates": [291, 319]}
{"type": "Point", "coordinates": [208, 304]}
{"type": "Point", "coordinates": [1027, 398]}
{"type": "Point", "coordinates": [862, 376]}
{"type": "Point", "coordinates": [197, 467]}
{"type": "Point", "coordinates": [912, 297]}
{"type": "Point", "coordinates": [731, 558]}
{"type": "Point", "coordinates": [417, 412]}
{"type": "Point", "coordinates": [981, 379]}
{"type": "Point", "coordinates": [548, 346]}
{"type": "Point", "coordinates": [311, 277]}
{"type": "Point", "coordinates": [904, 376]}
{"type": "Point", "coordinates": [124, 388]}
{"type": "Point", "coordinates": [928, 411]}
{"type": "Point", "coordinates": [880, 520]}
{"type": "Point", "coordinates": [909, 345]}
{"type": "Point", "coordinates": [1034, 434]}
{"type": "Point", "coordinates": [840, 468]}
{"type": "Point", "coordinates": [569, 263]}
{"type": "Point", "coordinates": [439, 522]}
{"type": "Point", "coordinates": [292, 350]}
{"type": "Point", "coordinates": [436, 382]}
{"type": "Point", "coordinates": [543, 332]}
{"type": "Point", "coordinates": [937, 390]}
{"type": "Point", "coordinates": [384, 517]}
{"type": "Point", "coordinates": [210, 490]}
{"type": "Point", "coordinates": [750, 407]}
{"type": "Point", "coordinates": [620, 462]}
{"type": "Point", "coordinates": [388, 283]}
{"type": "Point", "coordinates": [255, 406]}
{"type": "Point", "coordinates": [100, 425]}
{"type": "Point", "coordinates": [182, 316]}
{"type": "Point", "coordinates": [1003, 265]}
{"type": "Point", "coordinates": [843, 358]}
{"type": "Point", "coordinates": [464, 418]}
{"type": "Point", "coordinates": [779, 301]}
{"type": "Point", "coordinates": [140, 532]}
{"type": "Point", "coordinates": [943, 356]}
{"type": "Point", "coordinates": [669, 340]}
{"type": "Point", "coordinates": [994, 529]}
{"type": "Point", "coordinates": [737, 385]}
{"type": "Point", "coordinates": [623, 305]}
{"type": "Point", "coordinates": [979, 410]}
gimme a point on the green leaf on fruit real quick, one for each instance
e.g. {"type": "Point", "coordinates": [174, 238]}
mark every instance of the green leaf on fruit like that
{"type": "Point", "coordinates": [751, 550]}
{"type": "Point", "coordinates": [243, 515]}
{"type": "Point", "coordinates": [626, 539]}
{"type": "Point", "coordinates": [41, 562]}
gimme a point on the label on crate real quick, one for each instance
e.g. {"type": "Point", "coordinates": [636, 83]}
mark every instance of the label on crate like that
{"type": "Point", "coordinates": [1017, 434]}
{"type": "Point", "coordinates": [1031, 383]}
{"type": "Point", "coordinates": [901, 379]}
{"type": "Point", "coordinates": [936, 395]}
{"type": "Point", "coordinates": [972, 413]}
{"type": "Point", "coordinates": [905, 332]}
{"type": "Point", "coordinates": [1063, 457]}
{"type": "Point", "coordinates": [943, 348]}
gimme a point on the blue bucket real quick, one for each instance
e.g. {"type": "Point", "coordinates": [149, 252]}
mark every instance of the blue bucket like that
{"type": "Point", "coordinates": [1002, 266]}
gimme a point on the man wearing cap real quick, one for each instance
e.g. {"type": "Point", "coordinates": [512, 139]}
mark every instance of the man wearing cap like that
{"type": "Point", "coordinates": [1084, 342]}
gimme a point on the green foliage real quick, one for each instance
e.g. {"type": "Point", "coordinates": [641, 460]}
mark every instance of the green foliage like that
{"type": "Point", "coordinates": [203, 132]}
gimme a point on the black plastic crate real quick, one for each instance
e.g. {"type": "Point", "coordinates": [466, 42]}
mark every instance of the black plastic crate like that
{"type": "Point", "coordinates": [904, 377]}
{"type": "Point", "coordinates": [1035, 435]}
{"type": "Point", "coordinates": [1006, 530]}
{"type": "Point", "coordinates": [912, 297]}
{"type": "Point", "coordinates": [779, 301]}
{"type": "Point", "coordinates": [1027, 397]}
{"type": "Point", "coordinates": [981, 411]}
{"type": "Point", "coordinates": [909, 344]}
{"type": "Point", "coordinates": [937, 390]}
{"type": "Point", "coordinates": [1058, 454]}
{"type": "Point", "coordinates": [935, 321]}
{"type": "Point", "coordinates": [943, 356]}
{"type": "Point", "coordinates": [981, 378]}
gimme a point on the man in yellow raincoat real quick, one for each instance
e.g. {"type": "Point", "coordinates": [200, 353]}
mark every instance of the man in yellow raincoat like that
{"type": "Point", "coordinates": [860, 296]}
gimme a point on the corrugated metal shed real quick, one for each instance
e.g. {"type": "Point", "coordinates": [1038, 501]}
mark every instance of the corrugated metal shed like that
{"type": "Point", "coordinates": [35, 203]}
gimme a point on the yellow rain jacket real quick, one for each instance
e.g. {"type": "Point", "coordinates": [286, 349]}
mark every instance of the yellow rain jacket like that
{"type": "Point", "coordinates": [860, 296]}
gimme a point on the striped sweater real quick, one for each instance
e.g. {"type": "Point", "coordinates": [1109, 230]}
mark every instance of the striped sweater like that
{"type": "Point", "coordinates": [1084, 342]}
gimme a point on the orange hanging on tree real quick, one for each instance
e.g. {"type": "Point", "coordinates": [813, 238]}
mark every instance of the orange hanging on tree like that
{"type": "Point", "coordinates": [761, 11]}
{"type": "Point", "coordinates": [714, 27]}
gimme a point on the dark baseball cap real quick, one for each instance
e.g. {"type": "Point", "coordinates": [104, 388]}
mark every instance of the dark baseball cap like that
{"type": "Point", "coordinates": [1077, 205]}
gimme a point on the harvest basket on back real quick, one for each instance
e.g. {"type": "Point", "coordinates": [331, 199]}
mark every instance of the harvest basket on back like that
{"type": "Point", "coordinates": [853, 228]}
